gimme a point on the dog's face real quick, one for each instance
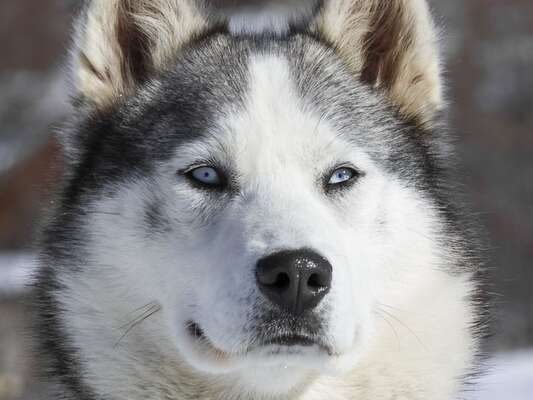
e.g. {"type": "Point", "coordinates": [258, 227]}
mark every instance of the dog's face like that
{"type": "Point", "coordinates": [270, 192]}
{"type": "Point", "coordinates": [262, 197]}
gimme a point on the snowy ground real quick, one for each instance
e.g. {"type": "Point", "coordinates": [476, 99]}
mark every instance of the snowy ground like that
{"type": "Point", "coordinates": [16, 271]}
{"type": "Point", "coordinates": [510, 375]}
{"type": "Point", "coordinates": [510, 378]}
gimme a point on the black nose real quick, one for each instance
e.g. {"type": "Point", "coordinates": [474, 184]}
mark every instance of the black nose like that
{"type": "Point", "coordinates": [294, 280]}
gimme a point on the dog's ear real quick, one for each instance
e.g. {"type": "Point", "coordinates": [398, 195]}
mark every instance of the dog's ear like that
{"type": "Point", "coordinates": [392, 45]}
{"type": "Point", "coordinates": [121, 42]}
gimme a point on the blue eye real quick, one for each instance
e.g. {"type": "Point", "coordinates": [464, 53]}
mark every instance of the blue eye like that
{"type": "Point", "coordinates": [342, 175]}
{"type": "Point", "coordinates": [206, 176]}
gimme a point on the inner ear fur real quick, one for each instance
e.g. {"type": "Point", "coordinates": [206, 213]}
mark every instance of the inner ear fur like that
{"type": "Point", "coordinates": [121, 42]}
{"type": "Point", "coordinates": [391, 45]}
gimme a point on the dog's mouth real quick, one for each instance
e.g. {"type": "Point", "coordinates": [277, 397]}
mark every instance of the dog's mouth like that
{"type": "Point", "coordinates": [200, 339]}
{"type": "Point", "coordinates": [289, 341]}
{"type": "Point", "coordinates": [282, 343]}
{"type": "Point", "coordinates": [195, 331]}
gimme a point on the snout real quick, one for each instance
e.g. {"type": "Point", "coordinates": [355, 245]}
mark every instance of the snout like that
{"type": "Point", "coordinates": [294, 280]}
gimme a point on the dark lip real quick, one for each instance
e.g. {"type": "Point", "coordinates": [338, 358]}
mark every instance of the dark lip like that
{"type": "Point", "coordinates": [290, 341]}
{"type": "Point", "coordinates": [195, 330]}
{"type": "Point", "coordinates": [282, 340]}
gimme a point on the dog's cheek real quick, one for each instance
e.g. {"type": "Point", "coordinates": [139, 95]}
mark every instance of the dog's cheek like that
{"type": "Point", "coordinates": [218, 293]}
{"type": "Point", "coordinates": [359, 263]}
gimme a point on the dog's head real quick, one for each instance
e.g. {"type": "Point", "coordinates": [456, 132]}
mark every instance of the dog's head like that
{"type": "Point", "coordinates": [265, 190]}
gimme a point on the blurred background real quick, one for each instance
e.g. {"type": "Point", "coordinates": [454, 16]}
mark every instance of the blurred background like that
{"type": "Point", "coordinates": [488, 49]}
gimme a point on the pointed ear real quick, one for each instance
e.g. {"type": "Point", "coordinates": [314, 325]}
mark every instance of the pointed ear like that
{"type": "Point", "coordinates": [121, 42]}
{"type": "Point", "coordinates": [391, 45]}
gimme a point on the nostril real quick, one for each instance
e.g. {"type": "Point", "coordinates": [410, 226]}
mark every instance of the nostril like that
{"type": "Point", "coordinates": [283, 281]}
{"type": "Point", "coordinates": [315, 282]}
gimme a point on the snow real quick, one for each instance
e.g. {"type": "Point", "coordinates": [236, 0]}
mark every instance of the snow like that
{"type": "Point", "coordinates": [16, 271]}
{"type": "Point", "coordinates": [510, 377]}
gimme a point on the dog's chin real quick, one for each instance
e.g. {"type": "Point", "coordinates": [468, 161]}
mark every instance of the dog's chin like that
{"type": "Point", "coordinates": [287, 357]}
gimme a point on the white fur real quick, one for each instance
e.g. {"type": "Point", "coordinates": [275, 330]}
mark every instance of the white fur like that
{"type": "Point", "coordinates": [398, 324]}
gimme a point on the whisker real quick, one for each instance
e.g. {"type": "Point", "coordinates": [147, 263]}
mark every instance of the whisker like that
{"type": "Point", "coordinates": [144, 309]}
{"type": "Point", "coordinates": [389, 306]}
{"type": "Point", "coordinates": [378, 313]}
{"type": "Point", "coordinates": [155, 308]}
{"type": "Point", "coordinates": [399, 321]}
{"type": "Point", "coordinates": [148, 305]}
{"type": "Point", "coordinates": [416, 232]}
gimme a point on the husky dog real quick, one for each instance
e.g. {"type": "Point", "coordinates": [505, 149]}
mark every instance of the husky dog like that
{"type": "Point", "coordinates": [260, 203]}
